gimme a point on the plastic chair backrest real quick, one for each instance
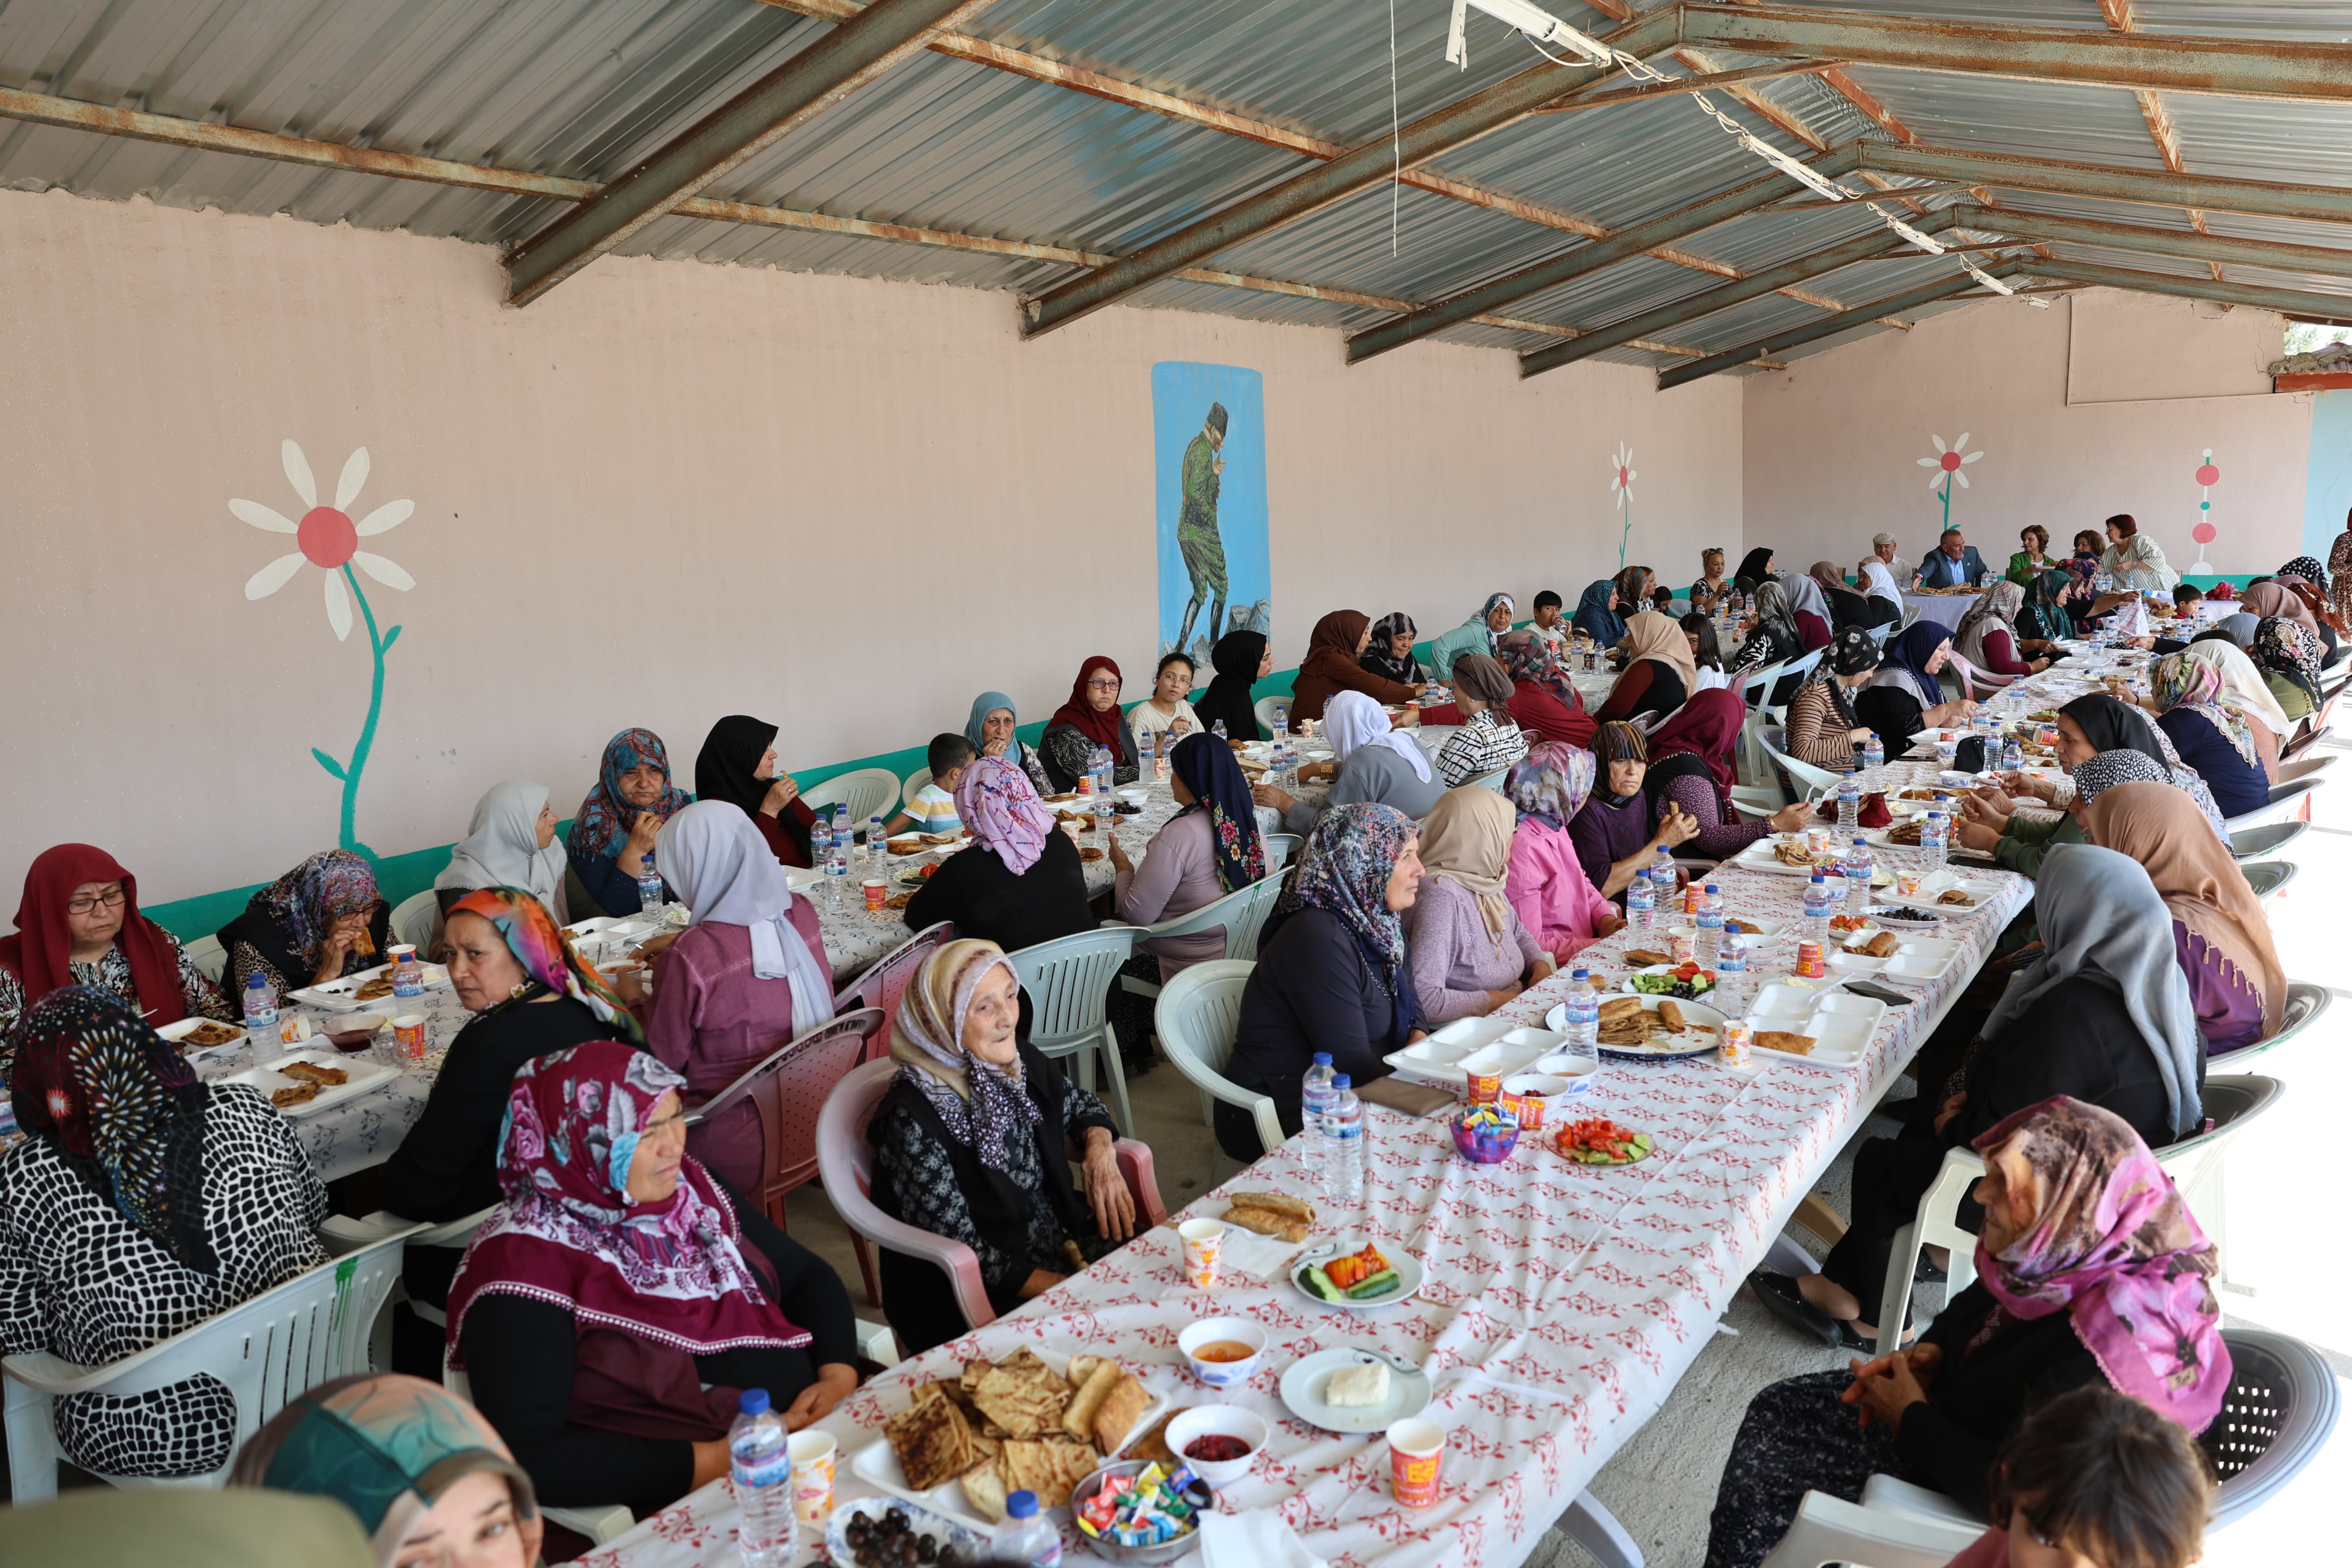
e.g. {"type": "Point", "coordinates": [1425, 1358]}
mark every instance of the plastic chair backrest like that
{"type": "Point", "coordinates": [885, 980]}
{"type": "Point", "coordinates": [845, 1164]}
{"type": "Point", "coordinates": [1811, 777]}
{"type": "Point", "coordinates": [2268, 878]}
{"type": "Point", "coordinates": [2259, 843]}
{"type": "Point", "coordinates": [1830, 1530]}
{"type": "Point", "coordinates": [1271, 711]}
{"type": "Point", "coordinates": [787, 1088]}
{"type": "Point", "coordinates": [1804, 666]}
{"type": "Point", "coordinates": [2309, 767]}
{"type": "Point", "coordinates": [2288, 789]}
{"type": "Point", "coordinates": [868, 792]}
{"type": "Point", "coordinates": [209, 957]}
{"type": "Point", "coordinates": [1069, 982]}
{"type": "Point", "coordinates": [916, 782]}
{"type": "Point", "coordinates": [2232, 1104]}
{"type": "Point", "coordinates": [2305, 1003]}
{"type": "Point", "coordinates": [1279, 849]}
{"type": "Point", "coordinates": [2278, 1414]}
{"type": "Point", "coordinates": [1757, 684]}
{"type": "Point", "coordinates": [266, 1350]}
{"type": "Point", "coordinates": [1196, 1017]}
{"type": "Point", "coordinates": [411, 920]}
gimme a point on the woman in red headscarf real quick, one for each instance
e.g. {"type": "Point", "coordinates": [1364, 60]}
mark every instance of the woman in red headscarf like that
{"type": "Point", "coordinates": [1090, 717]}
{"type": "Point", "coordinates": [79, 925]}
{"type": "Point", "coordinates": [1691, 767]}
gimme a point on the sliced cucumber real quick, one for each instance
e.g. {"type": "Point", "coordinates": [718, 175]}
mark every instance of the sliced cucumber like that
{"type": "Point", "coordinates": [1320, 1283]}
{"type": "Point", "coordinates": [1380, 1284]}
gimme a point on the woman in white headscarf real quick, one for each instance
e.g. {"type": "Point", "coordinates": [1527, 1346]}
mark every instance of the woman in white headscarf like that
{"type": "Point", "coordinates": [510, 843]}
{"type": "Point", "coordinates": [1369, 762]}
{"type": "Point", "coordinates": [2245, 691]}
{"type": "Point", "coordinates": [749, 975]}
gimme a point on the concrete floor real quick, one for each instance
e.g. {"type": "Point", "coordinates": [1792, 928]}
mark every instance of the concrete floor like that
{"type": "Point", "coordinates": [1661, 1485]}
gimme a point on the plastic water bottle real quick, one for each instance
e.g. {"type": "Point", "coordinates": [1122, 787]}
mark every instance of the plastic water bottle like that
{"type": "Point", "coordinates": [1731, 988]}
{"type": "Point", "coordinates": [1874, 754]}
{"type": "Point", "coordinates": [1102, 774]}
{"type": "Point", "coordinates": [1856, 869]}
{"type": "Point", "coordinates": [2012, 755]}
{"type": "Point", "coordinates": [836, 863]}
{"type": "Point", "coordinates": [1583, 1012]}
{"type": "Point", "coordinates": [761, 1460]}
{"type": "Point", "coordinates": [1820, 904]}
{"type": "Point", "coordinates": [877, 847]}
{"type": "Point", "coordinates": [1218, 729]}
{"type": "Point", "coordinates": [260, 1005]}
{"type": "Point", "coordinates": [1343, 1120]}
{"type": "Point", "coordinates": [1662, 874]}
{"type": "Point", "coordinates": [1313, 1103]}
{"type": "Point", "coordinates": [1642, 902]}
{"type": "Point", "coordinates": [1710, 925]}
{"type": "Point", "coordinates": [1025, 1535]}
{"type": "Point", "coordinates": [1848, 799]}
{"type": "Point", "coordinates": [1935, 841]}
{"type": "Point", "coordinates": [649, 886]}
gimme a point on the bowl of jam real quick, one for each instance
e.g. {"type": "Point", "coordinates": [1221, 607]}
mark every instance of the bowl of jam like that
{"type": "Point", "coordinates": [1220, 1442]}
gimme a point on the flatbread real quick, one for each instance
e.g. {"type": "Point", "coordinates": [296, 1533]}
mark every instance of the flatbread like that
{"type": "Point", "coordinates": [1026, 1401]}
{"type": "Point", "coordinates": [298, 1094]}
{"type": "Point", "coordinates": [984, 1488]}
{"type": "Point", "coordinates": [1151, 1443]}
{"type": "Point", "coordinates": [1050, 1469]}
{"type": "Point", "coordinates": [1670, 1015]}
{"type": "Point", "coordinates": [932, 1440]}
{"type": "Point", "coordinates": [1115, 1417]}
{"type": "Point", "coordinates": [1619, 1007]}
{"type": "Point", "coordinates": [1079, 1420]}
{"type": "Point", "coordinates": [307, 1072]}
{"type": "Point", "coordinates": [1795, 1044]}
{"type": "Point", "coordinates": [1280, 1203]}
{"type": "Point", "coordinates": [1643, 958]}
{"type": "Point", "coordinates": [1265, 1222]}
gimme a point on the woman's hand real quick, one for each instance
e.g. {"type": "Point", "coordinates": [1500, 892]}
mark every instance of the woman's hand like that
{"type": "Point", "coordinates": [1119, 860]}
{"type": "Point", "coordinates": [653, 947]}
{"type": "Point", "coordinates": [1107, 1192]}
{"type": "Point", "coordinates": [1416, 1036]}
{"type": "Point", "coordinates": [780, 793]}
{"type": "Point", "coordinates": [1542, 970]}
{"type": "Point", "coordinates": [2038, 666]}
{"type": "Point", "coordinates": [835, 1381]}
{"type": "Point", "coordinates": [642, 834]}
{"type": "Point", "coordinates": [336, 946]}
{"type": "Point", "coordinates": [1857, 736]}
{"type": "Point", "coordinates": [1980, 836]}
{"type": "Point", "coordinates": [1267, 795]}
{"type": "Point", "coordinates": [991, 748]}
{"type": "Point", "coordinates": [1952, 1107]}
{"type": "Point", "coordinates": [1180, 725]}
{"type": "Point", "coordinates": [2029, 784]}
{"type": "Point", "coordinates": [1985, 800]}
{"type": "Point", "coordinates": [1040, 1281]}
{"type": "Point", "coordinates": [1609, 922]}
{"type": "Point", "coordinates": [1789, 818]}
{"type": "Point", "coordinates": [1677, 826]}
{"type": "Point", "coordinates": [1308, 773]}
{"type": "Point", "coordinates": [628, 987]}
{"type": "Point", "coordinates": [1886, 1394]}
{"type": "Point", "coordinates": [1502, 998]}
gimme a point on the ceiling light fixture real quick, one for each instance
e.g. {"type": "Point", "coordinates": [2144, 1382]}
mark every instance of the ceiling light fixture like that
{"type": "Point", "coordinates": [1533, 20]}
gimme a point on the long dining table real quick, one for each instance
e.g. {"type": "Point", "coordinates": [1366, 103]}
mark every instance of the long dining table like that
{"type": "Point", "coordinates": [1560, 1303]}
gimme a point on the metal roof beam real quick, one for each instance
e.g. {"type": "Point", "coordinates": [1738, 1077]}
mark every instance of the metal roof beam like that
{"type": "Point", "coordinates": [1862, 248]}
{"type": "Point", "coordinates": [2333, 308]}
{"type": "Point", "coordinates": [1710, 82]}
{"type": "Point", "coordinates": [1453, 126]}
{"type": "Point", "coordinates": [1623, 246]}
{"type": "Point", "coordinates": [1829, 326]}
{"type": "Point", "coordinates": [2190, 246]}
{"type": "Point", "coordinates": [2225, 67]}
{"type": "Point", "coordinates": [2256, 198]}
{"type": "Point", "coordinates": [755, 119]}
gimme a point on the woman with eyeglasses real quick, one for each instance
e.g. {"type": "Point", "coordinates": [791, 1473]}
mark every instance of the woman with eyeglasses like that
{"type": "Point", "coordinates": [1090, 719]}
{"type": "Point", "coordinates": [79, 925]}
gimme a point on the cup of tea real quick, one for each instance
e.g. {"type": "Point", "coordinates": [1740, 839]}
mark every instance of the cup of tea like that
{"type": "Point", "coordinates": [812, 1453]}
{"type": "Point", "coordinates": [1204, 1240]}
{"type": "Point", "coordinates": [1223, 1352]}
{"type": "Point", "coordinates": [1416, 1453]}
{"type": "Point", "coordinates": [408, 1034]}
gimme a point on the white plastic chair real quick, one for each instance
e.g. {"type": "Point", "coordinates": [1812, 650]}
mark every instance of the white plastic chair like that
{"type": "Point", "coordinates": [209, 957]}
{"type": "Point", "coordinates": [1241, 915]}
{"type": "Point", "coordinates": [1756, 686]}
{"type": "Point", "coordinates": [2258, 843]}
{"type": "Point", "coordinates": [916, 782]}
{"type": "Point", "coordinates": [2269, 879]}
{"type": "Point", "coordinates": [1272, 710]}
{"type": "Point", "coordinates": [313, 1327]}
{"type": "Point", "coordinates": [1279, 849]}
{"type": "Point", "coordinates": [598, 1524]}
{"type": "Point", "coordinates": [2308, 767]}
{"type": "Point", "coordinates": [867, 792]}
{"type": "Point", "coordinates": [2288, 801]}
{"type": "Point", "coordinates": [343, 1234]}
{"type": "Point", "coordinates": [1805, 665]}
{"type": "Point", "coordinates": [1069, 982]}
{"type": "Point", "coordinates": [411, 920]}
{"type": "Point", "coordinates": [1830, 1530]}
{"type": "Point", "coordinates": [2305, 1003]}
{"type": "Point", "coordinates": [1811, 776]}
{"type": "Point", "coordinates": [1195, 1020]}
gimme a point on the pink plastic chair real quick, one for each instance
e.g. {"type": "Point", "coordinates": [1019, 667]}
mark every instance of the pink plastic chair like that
{"type": "Point", "coordinates": [846, 1162]}
{"type": "Point", "coordinates": [789, 1089]}
{"type": "Point", "coordinates": [885, 981]}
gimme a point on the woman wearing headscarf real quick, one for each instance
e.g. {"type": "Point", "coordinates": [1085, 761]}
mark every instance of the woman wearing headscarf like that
{"type": "Point", "coordinates": [1903, 696]}
{"type": "Point", "coordinates": [2251, 694]}
{"type": "Point", "coordinates": [1469, 950]}
{"type": "Point", "coordinates": [2338, 576]}
{"type": "Point", "coordinates": [1390, 653]}
{"type": "Point", "coordinates": [1775, 639]}
{"type": "Point", "coordinates": [749, 975]}
{"type": "Point", "coordinates": [1754, 570]}
{"type": "Point", "coordinates": [141, 1202]}
{"type": "Point", "coordinates": [1090, 718]}
{"type": "Point", "coordinates": [1691, 767]}
{"type": "Point", "coordinates": [2289, 657]}
{"type": "Point", "coordinates": [2325, 623]}
{"type": "Point", "coordinates": [2091, 725]}
{"type": "Point", "coordinates": [1332, 973]}
{"type": "Point", "coordinates": [1370, 761]}
{"type": "Point", "coordinates": [1809, 608]}
{"type": "Point", "coordinates": [1822, 728]}
{"type": "Point", "coordinates": [1241, 659]}
{"type": "Point", "coordinates": [614, 1307]}
{"type": "Point", "coordinates": [2019, 843]}
{"type": "Point", "coordinates": [2136, 561]}
{"type": "Point", "coordinates": [1987, 637]}
{"type": "Point", "coordinates": [2084, 562]}
{"type": "Point", "coordinates": [1333, 650]}
{"type": "Point", "coordinates": [1878, 584]}
{"type": "Point", "coordinates": [1712, 585]}
{"type": "Point", "coordinates": [1021, 882]}
{"type": "Point", "coordinates": [79, 925]}
{"type": "Point", "coordinates": [1847, 607]}
{"type": "Point", "coordinates": [1544, 880]}
{"type": "Point", "coordinates": [1487, 738]}
{"type": "Point", "coordinates": [1544, 702]}
{"type": "Point", "coordinates": [1613, 830]}
{"type": "Point", "coordinates": [2046, 615]}
{"type": "Point", "coordinates": [319, 922]}
{"type": "Point", "coordinates": [2279, 597]}
{"type": "Point", "coordinates": [2218, 929]}
{"type": "Point", "coordinates": [2090, 1269]}
{"type": "Point", "coordinates": [2101, 1012]}
{"type": "Point", "coordinates": [509, 844]}
{"type": "Point", "coordinates": [430, 1481]}
{"type": "Point", "coordinates": [2239, 628]}
{"type": "Point", "coordinates": [991, 730]}
{"type": "Point", "coordinates": [738, 764]}
{"type": "Point", "coordinates": [1660, 673]}
{"type": "Point", "coordinates": [2211, 738]}
{"type": "Point", "coordinates": [970, 1142]}
{"type": "Point", "coordinates": [613, 831]}
{"type": "Point", "coordinates": [1476, 635]}
{"type": "Point", "coordinates": [1598, 614]}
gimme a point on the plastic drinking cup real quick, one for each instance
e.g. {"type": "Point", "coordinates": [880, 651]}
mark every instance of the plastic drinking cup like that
{"type": "Point", "coordinates": [1416, 1454]}
{"type": "Point", "coordinates": [408, 1033]}
{"type": "Point", "coordinates": [874, 894]}
{"type": "Point", "coordinates": [1204, 1240]}
{"type": "Point", "coordinates": [812, 1453]}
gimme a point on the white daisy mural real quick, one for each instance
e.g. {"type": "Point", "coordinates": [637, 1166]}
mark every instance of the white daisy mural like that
{"type": "Point", "coordinates": [1620, 485]}
{"type": "Point", "coordinates": [1947, 464]}
{"type": "Point", "coordinates": [327, 536]}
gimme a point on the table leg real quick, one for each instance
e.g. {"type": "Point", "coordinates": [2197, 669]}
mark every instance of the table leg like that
{"type": "Point", "coordinates": [1819, 1218]}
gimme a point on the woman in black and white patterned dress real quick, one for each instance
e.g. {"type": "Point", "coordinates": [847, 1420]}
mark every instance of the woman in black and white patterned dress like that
{"type": "Point", "coordinates": [142, 1202]}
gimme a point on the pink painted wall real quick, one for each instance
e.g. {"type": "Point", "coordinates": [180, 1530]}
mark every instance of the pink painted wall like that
{"type": "Point", "coordinates": [1832, 444]}
{"type": "Point", "coordinates": [620, 493]}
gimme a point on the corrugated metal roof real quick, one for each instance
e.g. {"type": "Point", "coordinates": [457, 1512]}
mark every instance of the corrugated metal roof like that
{"type": "Point", "coordinates": [582, 89]}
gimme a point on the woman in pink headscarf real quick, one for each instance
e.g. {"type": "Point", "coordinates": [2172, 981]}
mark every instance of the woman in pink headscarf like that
{"type": "Point", "coordinates": [1021, 882]}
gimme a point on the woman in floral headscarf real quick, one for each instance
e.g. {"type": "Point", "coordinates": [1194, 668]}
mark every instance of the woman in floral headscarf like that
{"type": "Point", "coordinates": [614, 1307]}
{"type": "Point", "coordinates": [319, 922]}
{"type": "Point", "coordinates": [1332, 974]}
{"type": "Point", "coordinates": [969, 1143]}
{"type": "Point", "coordinates": [1544, 701]}
{"type": "Point", "coordinates": [2089, 1269]}
{"type": "Point", "coordinates": [1021, 882]}
{"type": "Point", "coordinates": [142, 1203]}
{"type": "Point", "coordinates": [1545, 880]}
{"type": "Point", "coordinates": [2211, 738]}
{"type": "Point", "coordinates": [612, 832]}
{"type": "Point", "coordinates": [2338, 576]}
{"type": "Point", "coordinates": [2289, 657]}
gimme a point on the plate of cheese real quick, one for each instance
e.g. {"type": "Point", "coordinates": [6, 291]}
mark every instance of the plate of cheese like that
{"type": "Point", "coordinates": [1352, 1390]}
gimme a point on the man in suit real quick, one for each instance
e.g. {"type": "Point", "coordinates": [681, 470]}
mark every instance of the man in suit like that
{"type": "Point", "coordinates": [1954, 565]}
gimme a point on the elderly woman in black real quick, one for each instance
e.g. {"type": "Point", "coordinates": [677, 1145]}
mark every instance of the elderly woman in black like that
{"type": "Point", "coordinates": [969, 1144]}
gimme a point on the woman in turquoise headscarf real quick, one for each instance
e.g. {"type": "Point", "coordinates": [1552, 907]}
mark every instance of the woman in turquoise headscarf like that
{"type": "Point", "coordinates": [1476, 635]}
{"type": "Point", "coordinates": [990, 731]}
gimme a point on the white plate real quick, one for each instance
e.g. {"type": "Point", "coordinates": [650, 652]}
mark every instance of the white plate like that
{"type": "Point", "coordinates": [1481, 1045]}
{"type": "Point", "coordinates": [592, 926]}
{"type": "Point", "coordinates": [878, 1464]}
{"type": "Point", "coordinates": [802, 879]}
{"type": "Point", "coordinates": [972, 1545]}
{"type": "Point", "coordinates": [1697, 1042]}
{"type": "Point", "coordinates": [187, 1027]}
{"type": "Point", "coordinates": [342, 995]}
{"type": "Point", "coordinates": [1917, 959]}
{"type": "Point", "coordinates": [1626, 985]}
{"type": "Point", "coordinates": [1759, 856]}
{"type": "Point", "coordinates": [1304, 1383]}
{"type": "Point", "coordinates": [1978, 889]}
{"type": "Point", "coordinates": [364, 1076]}
{"type": "Point", "coordinates": [1839, 1023]}
{"type": "Point", "coordinates": [1766, 929]}
{"type": "Point", "coordinates": [1408, 1272]}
